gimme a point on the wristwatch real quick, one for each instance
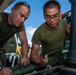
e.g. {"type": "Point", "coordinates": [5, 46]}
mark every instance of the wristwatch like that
{"type": "Point", "coordinates": [0, 67]}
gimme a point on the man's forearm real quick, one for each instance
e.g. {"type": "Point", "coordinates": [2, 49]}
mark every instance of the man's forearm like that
{"type": "Point", "coordinates": [24, 54]}
{"type": "Point", "coordinates": [25, 51]}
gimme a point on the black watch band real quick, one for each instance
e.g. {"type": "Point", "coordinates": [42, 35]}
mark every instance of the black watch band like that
{"type": "Point", "coordinates": [0, 67]}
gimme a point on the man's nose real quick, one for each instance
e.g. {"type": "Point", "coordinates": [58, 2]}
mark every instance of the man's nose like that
{"type": "Point", "coordinates": [22, 19]}
{"type": "Point", "coordinates": [52, 19]}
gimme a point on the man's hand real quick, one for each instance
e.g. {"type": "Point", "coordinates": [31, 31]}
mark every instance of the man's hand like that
{"type": "Point", "coordinates": [68, 29]}
{"type": "Point", "coordinates": [24, 62]}
{"type": "Point", "coordinates": [6, 71]}
{"type": "Point", "coordinates": [42, 61]}
{"type": "Point", "coordinates": [67, 36]}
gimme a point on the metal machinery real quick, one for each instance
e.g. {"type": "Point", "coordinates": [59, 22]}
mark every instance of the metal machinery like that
{"type": "Point", "coordinates": [69, 66]}
{"type": "Point", "coordinates": [4, 4]}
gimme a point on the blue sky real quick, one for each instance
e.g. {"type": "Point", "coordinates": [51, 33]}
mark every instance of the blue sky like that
{"type": "Point", "coordinates": [36, 18]}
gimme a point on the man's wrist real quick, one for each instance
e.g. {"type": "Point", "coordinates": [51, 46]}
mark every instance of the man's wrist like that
{"type": "Point", "coordinates": [37, 61]}
{"type": "Point", "coordinates": [26, 57]}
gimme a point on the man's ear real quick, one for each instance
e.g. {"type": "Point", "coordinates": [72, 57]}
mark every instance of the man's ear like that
{"type": "Point", "coordinates": [12, 9]}
{"type": "Point", "coordinates": [44, 15]}
{"type": "Point", "coordinates": [60, 14]}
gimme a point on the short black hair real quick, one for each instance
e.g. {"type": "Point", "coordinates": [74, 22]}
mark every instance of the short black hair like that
{"type": "Point", "coordinates": [21, 3]}
{"type": "Point", "coordinates": [51, 4]}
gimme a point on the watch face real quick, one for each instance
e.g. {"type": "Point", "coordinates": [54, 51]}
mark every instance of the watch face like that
{"type": "Point", "coordinates": [0, 67]}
